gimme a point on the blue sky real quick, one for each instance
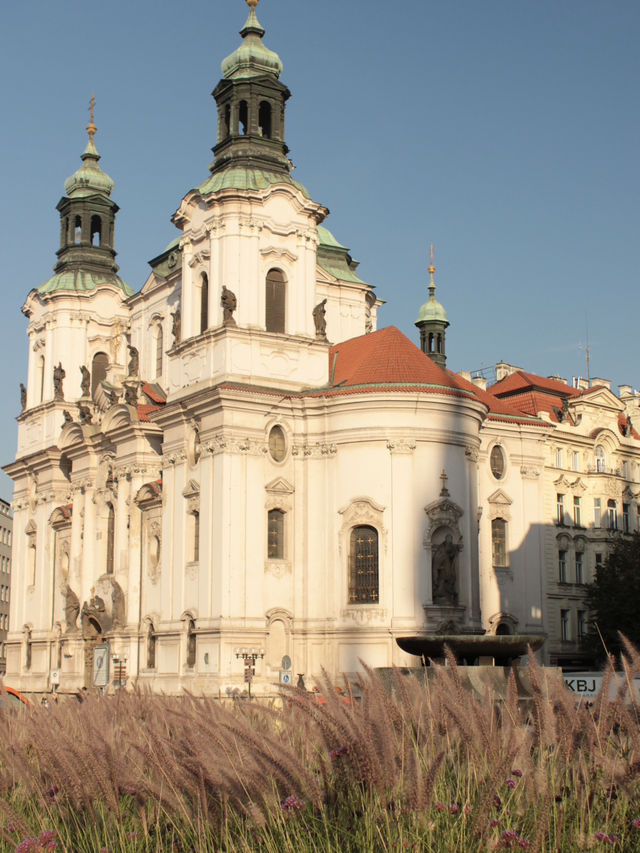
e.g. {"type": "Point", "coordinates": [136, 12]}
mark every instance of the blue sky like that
{"type": "Point", "coordinates": [506, 132]}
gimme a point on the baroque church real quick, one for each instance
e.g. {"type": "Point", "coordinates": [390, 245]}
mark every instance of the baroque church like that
{"type": "Point", "coordinates": [235, 457]}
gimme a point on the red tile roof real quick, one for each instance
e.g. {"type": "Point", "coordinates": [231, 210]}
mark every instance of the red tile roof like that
{"type": "Point", "coordinates": [520, 381]}
{"type": "Point", "coordinates": [385, 358]}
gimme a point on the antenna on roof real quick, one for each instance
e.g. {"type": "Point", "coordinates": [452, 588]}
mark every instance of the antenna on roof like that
{"type": "Point", "coordinates": [587, 351]}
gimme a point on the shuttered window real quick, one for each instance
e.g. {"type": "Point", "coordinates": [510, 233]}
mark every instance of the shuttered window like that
{"type": "Point", "coordinates": [275, 301]}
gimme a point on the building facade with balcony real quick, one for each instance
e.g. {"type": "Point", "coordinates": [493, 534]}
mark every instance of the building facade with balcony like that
{"type": "Point", "coordinates": [591, 489]}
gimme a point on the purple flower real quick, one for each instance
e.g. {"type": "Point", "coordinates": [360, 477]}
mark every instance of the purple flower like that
{"type": "Point", "coordinates": [440, 807]}
{"type": "Point", "coordinates": [497, 801]}
{"type": "Point", "coordinates": [634, 823]}
{"type": "Point", "coordinates": [292, 803]}
{"type": "Point", "coordinates": [11, 827]}
{"type": "Point", "coordinates": [129, 789]}
{"type": "Point", "coordinates": [606, 838]}
{"type": "Point", "coordinates": [494, 822]}
{"type": "Point", "coordinates": [511, 783]}
{"type": "Point", "coordinates": [453, 808]}
{"type": "Point", "coordinates": [27, 845]}
{"type": "Point", "coordinates": [46, 836]}
{"type": "Point", "coordinates": [510, 839]}
{"type": "Point", "coordinates": [52, 791]}
{"type": "Point", "coordinates": [336, 753]}
{"type": "Point", "coordinates": [517, 772]}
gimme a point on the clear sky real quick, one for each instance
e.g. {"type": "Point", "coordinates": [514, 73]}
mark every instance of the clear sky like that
{"type": "Point", "coordinates": [506, 132]}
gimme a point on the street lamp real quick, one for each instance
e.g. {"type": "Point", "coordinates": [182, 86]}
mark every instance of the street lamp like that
{"type": "Point", "coordinates": [120, 670]}
{"type": "Point", "coordinates": [249, 656]}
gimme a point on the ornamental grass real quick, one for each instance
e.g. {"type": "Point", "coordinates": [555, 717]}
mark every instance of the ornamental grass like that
{"type": "Point", "coordinates": [405, 766]}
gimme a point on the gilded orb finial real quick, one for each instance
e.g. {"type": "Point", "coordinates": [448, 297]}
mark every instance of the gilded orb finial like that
{"type": "Point", "coordinates": [91, 127]}
{"type": "Point", "coordinates": [252, 3]}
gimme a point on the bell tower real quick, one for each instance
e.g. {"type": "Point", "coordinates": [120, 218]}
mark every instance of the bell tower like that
{"type": "Point", "coordinates": [432, 322]}
{"type": "Point", "coordinates": [251, 103]}
{"type": "Point", "coordinates": [87, 215]}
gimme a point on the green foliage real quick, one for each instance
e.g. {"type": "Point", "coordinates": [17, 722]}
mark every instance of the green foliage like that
{"type": "Point", "coordinates": [410, 766]}
{"type": "Point", "coordinates": [613, 600]}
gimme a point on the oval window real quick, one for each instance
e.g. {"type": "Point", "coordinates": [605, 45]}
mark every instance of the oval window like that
{"type": "Point", "coordinates": [277, 444]}
{"type": "Point", "coordinates": [497, 462]}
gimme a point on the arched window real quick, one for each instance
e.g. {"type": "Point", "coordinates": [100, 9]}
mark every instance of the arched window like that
{"type": "Point", "coordinates": [264, 119]}
{"type": "Point", "coordinates": [275, 301]}
{"type": "Point", "coordinates": [363, 565]}
{"type": "Point", "coordinates": [96, 230]}
{"type": "Point", "coordinates": [439, 346]}
{"type": "Point", "coordinates": [275, 544]}
{"type": "Point", "coordinates": [41, 378]}
{"type": "Point", "coordinates": [194, 536]}
{"type": "Point", "coordinates": [191, 644]}
{"type": "Point", "coordinates": [243, 118]}
{"type": "Point", "coordinates": [159, 350]}
{"type": "Point", "coordinates": [226, 121]}
{"type": "Point", "coordinates": [601, 459]}
{"type": "Point", "coordinates": [99, 366]}
{"type": "Point", "coordinates": [204, 302]}
{"type": "Point", "coordinates": [151, 646]}
{"type": "Point", "coordinates": [111, 529]}
{"type": "Point", "coordinates": [77, 230]}
{"type": "Point", "coordinates": [430, 341]}
{"type": "Point", "coordinates": [499, 543]}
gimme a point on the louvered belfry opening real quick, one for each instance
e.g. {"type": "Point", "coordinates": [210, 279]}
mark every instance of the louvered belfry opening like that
{"type": "Point", "coordinates": [363, 565]}
{"type": "Point", "coordinates": [275, 301]}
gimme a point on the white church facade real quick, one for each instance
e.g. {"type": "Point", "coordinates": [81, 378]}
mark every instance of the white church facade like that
{"type": "Point", "coordinates": [236, 457]}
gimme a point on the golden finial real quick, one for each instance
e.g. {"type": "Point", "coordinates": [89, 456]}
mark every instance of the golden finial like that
{"type": "Point", "coordinates": [431, 270]}
{"type": "Point", "coordinates": [91, 127]}
{"type": "Point", "coordinates": [252, 4]}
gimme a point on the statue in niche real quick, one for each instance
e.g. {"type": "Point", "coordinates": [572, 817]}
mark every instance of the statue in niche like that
{"type": "Point", "coordinates": [68, 417]}
{"type": "Point", "coordinates": [175, 326]}
{"type": "Point", "coordinates": [229, 304]}
{"type": "Point", "coordinates": [117, 605]}
{"type": "Point", "coordinates": [320, 320]}
{"type": "Point", "coordinates": [23, 397]}
{"type": "Point", "coordinates": [134, 361]}
{"type": "Point", "coordinates": [58, 376]}
{"type": "Point", "coordinates": [444, 572]}
{"type": "Point", "coordinates": [71, 607]}
{"type": "Point", "coordinates": [85, 383]}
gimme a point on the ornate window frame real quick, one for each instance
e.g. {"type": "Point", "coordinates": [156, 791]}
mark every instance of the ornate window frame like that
{"type": "Point", "coordinates": [279, 495]}
{"type": "Point", "coordinates": [362, 510]}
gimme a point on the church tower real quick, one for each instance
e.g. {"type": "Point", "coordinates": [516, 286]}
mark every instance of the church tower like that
{"type": "Point", "coordinates": [86, 255]}
{"type": "Point", "coordinates": [432, 322]}
{"type": "Point", "coordinates": [251, 104]}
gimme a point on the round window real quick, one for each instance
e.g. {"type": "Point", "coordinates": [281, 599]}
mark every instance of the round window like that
{"type": "Point", "coordinates": [277, 444]}
{"type": "Point", "coordinates": [497, 462]}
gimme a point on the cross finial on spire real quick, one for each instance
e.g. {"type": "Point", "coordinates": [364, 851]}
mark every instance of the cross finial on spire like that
{"type": "Point", "coordinates": [444, 492]}
{"type": "Point", "coordinates": [91, 127]}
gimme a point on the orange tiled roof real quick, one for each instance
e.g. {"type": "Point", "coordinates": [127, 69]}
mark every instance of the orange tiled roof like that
{"type": "Point", "coordinates": [385, 358]}
{"type": "Point", "coordinates": [520, 381]}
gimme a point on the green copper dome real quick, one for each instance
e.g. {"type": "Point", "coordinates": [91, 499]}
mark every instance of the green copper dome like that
{"type": "Point", "coordinates": [89, 179]}
{"type": "Point", "coordinates": [432, 310]}
{"type": "Point", "coordinates": [252, 58]}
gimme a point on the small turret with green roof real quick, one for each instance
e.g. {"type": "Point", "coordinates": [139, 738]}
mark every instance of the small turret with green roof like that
{"type": "Point", "coordinates": [432, 322]}
{"type": "Point", "coordinates": [250, 150]}
{"type": "Point", "coordinates": [86, 257]}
